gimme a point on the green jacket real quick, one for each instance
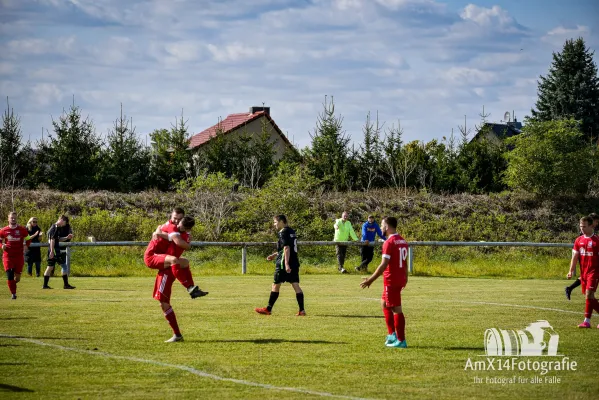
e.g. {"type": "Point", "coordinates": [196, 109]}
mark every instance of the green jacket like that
{"type": "Point", "coordinates": [344, 232]}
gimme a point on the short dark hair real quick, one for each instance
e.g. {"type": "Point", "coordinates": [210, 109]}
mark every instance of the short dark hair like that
{"type": "Point", "coordinates": [179, 210]}
{"type": "Point", "coordinates": [588, 219]}
{"type": "Point", "coordinates": [391, 222]}
{"type": "Point", "coordinates": [64, 218]}
{"type": "Point", "coordinates": [281, 218]}
{"type": "Point", "coordinates": [595, 216]}
{"type": "Point", "coordinates": [188, 222]}
{"type": "Point", "coordinates": [371, 216]}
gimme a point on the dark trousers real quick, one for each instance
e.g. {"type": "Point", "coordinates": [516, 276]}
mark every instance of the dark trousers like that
{"type": "Point", "coordinates": [367, 252]}
{"type": "Point", "coordinates": [38, 265]}
{"type": "Point", "coordinates": [341, 251]}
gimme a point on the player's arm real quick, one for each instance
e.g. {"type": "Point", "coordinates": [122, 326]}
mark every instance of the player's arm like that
{"type": "Point", "coordinates": [2, 236]}
{"type": "Point", "coordinates": [178, 241]}
{"type": "Point", "coordinates": [366, 282]}
{"type": "Point", "coordinates": [286, 253]}
{"type": "Point", "coordinates": [573, 262]}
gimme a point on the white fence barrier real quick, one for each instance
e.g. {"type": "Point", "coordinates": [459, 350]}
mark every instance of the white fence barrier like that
{"type": "Point", "coordinates": [245, 245]}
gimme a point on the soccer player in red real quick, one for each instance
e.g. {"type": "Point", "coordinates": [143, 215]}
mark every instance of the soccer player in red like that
{"type": "Point", "coordinates": [13, 257]}
{"type": "Point", "coordinates": [586, 249]}
{"type": "Point", "coordinates": [394, 269]}
{"type": "Point", "coordinates": [166, 276]}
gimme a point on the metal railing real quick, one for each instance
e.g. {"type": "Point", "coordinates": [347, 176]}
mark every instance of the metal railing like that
{"type": "Point", "coordinates": [245, 245]}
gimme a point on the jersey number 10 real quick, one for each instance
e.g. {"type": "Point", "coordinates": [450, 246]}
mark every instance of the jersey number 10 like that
{"type": "Point", "coordinates": [403, 254]}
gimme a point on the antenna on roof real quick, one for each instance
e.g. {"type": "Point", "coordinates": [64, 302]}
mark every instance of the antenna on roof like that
{"type": "Point", "coordinates": [506, 117]}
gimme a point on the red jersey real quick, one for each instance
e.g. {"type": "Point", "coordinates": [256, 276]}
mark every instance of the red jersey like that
{"type": "Point", "coordinates": [160, 245]}
{"type": "Point", "coordinates": [175, 250]}
{"type": "Point", "coordinates": [395, 249]}
{"type": "Point", "coordinates": [13, 238]}
{"type": "Point", "coordinates": [588, 252]}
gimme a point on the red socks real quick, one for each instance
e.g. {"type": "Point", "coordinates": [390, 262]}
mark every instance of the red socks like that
{"type": "Point", "coordinates": [389, 320]}
{"type": "Point", "coordinates": [400, 326]}
{"type": "Point", "coordinates": [588, 308]}
{"type": "Point", "coordinates": [12, 286]}
{"type": "Point", "coordinates": [172, 321]}
{"type": "Point", "coordinates": [183, 275]}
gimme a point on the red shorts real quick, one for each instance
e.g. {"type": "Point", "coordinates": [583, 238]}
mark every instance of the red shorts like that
{"type": "Point", "coordinates": [14, 263]}
{"type": "Point", "coordinates": [392, 296]}
{"type": "Point", "coordinates": [589, 281]}
{"type": "Point", "coordinates": [154, 261]}
{"type": "Point", "coordinates": [163, 285]}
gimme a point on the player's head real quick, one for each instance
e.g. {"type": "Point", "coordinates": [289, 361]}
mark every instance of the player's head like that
{"type": "Point", "coordinates": [279, 221]}
{"type": "Point", "coordinates": [595, 217]}
{"type": "Point", "coordinates": [371, 219]}
{"type": "Point", "coordinates": [62, 220]}
{"type": "Point", "coordinates": [389, 225]}
{"type": "Point", "coordinates": [12, 218]}
{"type": "Point", "coordinates": [345, 216]}
{"type": "Point", "coordinates": [186, 224]}
{"type": "Point", "coordinates": [176, 215]}
{"type": "Point", "coordinates": [586, 225]}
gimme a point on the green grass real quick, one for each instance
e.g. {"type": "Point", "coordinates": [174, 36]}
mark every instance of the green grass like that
{"type": "Point", "coordinates": [338, 348]}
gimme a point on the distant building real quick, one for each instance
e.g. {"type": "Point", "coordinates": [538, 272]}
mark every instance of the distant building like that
{"type": "Point", "coordinates": [497, 133]}
{"type": "Point", "coordinates": [245, 124]}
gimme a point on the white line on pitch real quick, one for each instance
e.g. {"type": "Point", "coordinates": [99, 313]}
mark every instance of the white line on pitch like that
{"type": "Point", "coordinates": [516, 306]}
{"type": "Point", "coordinates": [191, 370]}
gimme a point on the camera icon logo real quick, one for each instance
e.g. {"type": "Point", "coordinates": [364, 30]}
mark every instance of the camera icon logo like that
{"type": "Point", "coordinates": [537, 339]}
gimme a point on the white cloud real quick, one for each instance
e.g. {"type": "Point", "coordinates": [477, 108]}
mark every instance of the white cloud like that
{"type": "Point", "coordinates": [558, 35]}
{"type": "Point", "coordinates": [45, 94]}
{"type": "Point", "coordinates": [235, 52]}
{"type": "Point", "coordinates": [487, 17]}
{"type": "Point", "coordinates": [469, 76]}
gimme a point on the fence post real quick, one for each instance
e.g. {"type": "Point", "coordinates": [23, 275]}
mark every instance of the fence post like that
{"type": "Point", "coordinates": [244, 259]}
{"type": "Point", "coordinates": [410, 259]}
{"type": "Point", "coordinates": [68, 258]}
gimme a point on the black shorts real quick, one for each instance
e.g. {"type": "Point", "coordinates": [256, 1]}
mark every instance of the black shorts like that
{"type": "Point", "coordinates": [282, 276]}
{"type": "Point", "coordinates": [59, 258]}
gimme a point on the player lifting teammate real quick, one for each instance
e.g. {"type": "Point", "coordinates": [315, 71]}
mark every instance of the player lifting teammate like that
{"type": "Point", "coordinates": [395, 277]}
{"type": "Point", "coordinates": [576, 283]}
{"type": "Point", "coordinates": [286, 266]}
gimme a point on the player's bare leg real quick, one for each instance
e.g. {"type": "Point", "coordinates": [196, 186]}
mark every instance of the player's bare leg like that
{"type": "Point", "coordinates": [169, 314]}
{"type": "Point", "coordinates": [299, 295]}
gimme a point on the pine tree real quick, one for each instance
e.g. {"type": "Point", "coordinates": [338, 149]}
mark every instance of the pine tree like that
{"type": "Point", "coordinates": [126, 160]}
{"type": "Point", "coordinates": [73, 152]}
{"type": "Point", "coordinates": [10, 148]}
{"type": "Point", "coordinates": [370, 153]}
{"type": "Point", "coordinates": [571, 88]}
{"type": "Point", "coordinates": [328, 158]}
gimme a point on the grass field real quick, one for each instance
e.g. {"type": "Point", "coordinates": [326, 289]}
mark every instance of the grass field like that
{"type": "Point", "coordinates": [105, 340]}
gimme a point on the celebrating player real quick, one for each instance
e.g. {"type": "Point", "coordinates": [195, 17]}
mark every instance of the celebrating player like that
{"type": "Point", "coordinates": [286, 266]}
{"type": "Point", "coordinates": [586, 249]}
{"type": "Point", "coordinates": [13, 257]}
{"type": "Point", "coordinates": [395, 277]}
{"type": "Point", "coordinates": [576, 283]}
{"type": "Point", "coordinates": [166, 276]}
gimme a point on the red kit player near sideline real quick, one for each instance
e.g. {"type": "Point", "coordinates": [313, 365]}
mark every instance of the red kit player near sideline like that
{"type": "Point", "coordinates": [586, 249]}
{"type": "Point", "coordinates": [394, 269]}
{"type": "Point", "coordinates": [13, 257]}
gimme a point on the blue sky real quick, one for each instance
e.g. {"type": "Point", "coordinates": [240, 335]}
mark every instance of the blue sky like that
{"type": "Point", "coordinates": [424, 63]}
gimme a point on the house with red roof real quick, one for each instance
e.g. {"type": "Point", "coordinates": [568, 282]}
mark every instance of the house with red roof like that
{"type": "Point", "coordinates": [248, 123]}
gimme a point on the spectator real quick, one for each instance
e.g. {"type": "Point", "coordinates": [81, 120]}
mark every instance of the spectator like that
{"type": "Point", "coordinates": [343, 230]}
{"type": "Point", "coordinates": [34, 254]}
{"type": "Point", "coordinates": [369, 231]}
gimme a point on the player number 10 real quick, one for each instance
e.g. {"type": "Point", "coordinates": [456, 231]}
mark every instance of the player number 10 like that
{"type": "Point", "coordinates": [403, 254]}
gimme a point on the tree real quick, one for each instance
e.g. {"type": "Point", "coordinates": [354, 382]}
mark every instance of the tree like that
{"type": "Point", "coordinates": [328, 158]}
{"type": "Point", "coordinates": [126, 160]}
{"type": "Point", "coordinates": [11, 150]}
{"type": "Point", "coordinates": [400, 161]}
{"type": "Point", "coordinates": [170, 158]}
{"type": "Point", "coordinates": [369, 164]}
{"type": "Point", "coordinates": [571, 88]}
{"type": "Point", "coordinates": [73, 152]}
{"type": "Point", "coordinates": [549, 158]}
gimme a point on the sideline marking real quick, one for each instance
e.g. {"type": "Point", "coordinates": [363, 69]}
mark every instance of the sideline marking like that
{"type": "Point", "coordinates": [191, 370]}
